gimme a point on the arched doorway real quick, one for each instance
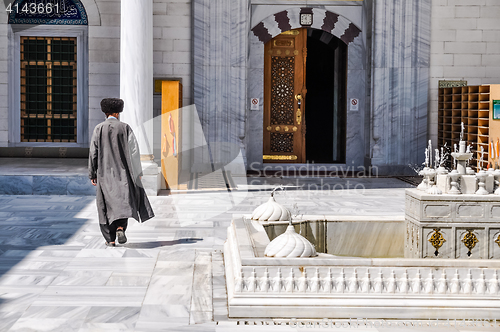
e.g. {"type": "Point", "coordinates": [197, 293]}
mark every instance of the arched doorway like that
{"type": "Point", "coordinates": [305, 72]}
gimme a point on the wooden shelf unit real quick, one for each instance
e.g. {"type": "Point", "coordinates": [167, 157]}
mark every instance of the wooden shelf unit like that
{"type": "Point", "coordinates": [472, 105]}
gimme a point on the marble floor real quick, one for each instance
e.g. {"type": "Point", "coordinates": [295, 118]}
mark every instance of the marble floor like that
{"type": "Point", "coordinates": [56, 274]}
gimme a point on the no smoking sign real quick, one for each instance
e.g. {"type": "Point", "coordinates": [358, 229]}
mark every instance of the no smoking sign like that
{"type": "Point", "coordinates": [254, 104]}
{"type": "Point", "coordinates": [354, 104]}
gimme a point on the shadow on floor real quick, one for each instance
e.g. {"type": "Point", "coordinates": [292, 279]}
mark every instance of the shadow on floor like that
{"type": "Point", "coordinates": [35, 226]}
{"type": "Point", "coordinates": [158, 244]}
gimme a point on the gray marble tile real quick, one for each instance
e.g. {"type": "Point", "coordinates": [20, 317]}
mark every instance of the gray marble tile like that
{"type": "Point", "coordinates": [124, 317]}
{"type": "Point", "coordinates": [162, 288]}
{"type": "Point", "coordinates": [126, 264]}
{"type": "Point", "coordinates": [41, 318]}
{"type": "Point", "coordinates": [92, 296]}
{"type": "Point", "coordinates": [124, 279]}
{"type": "Point", "coordinates": [50, 185]}
{"type": "Point", "coordinates": [82, 278]}
{"type": "Point", "coordinates": [15, 279]}
{"type": "Point", "coordinates": [13, 301]}
{"type": "Point", "coordinates": [163, 316]}
{"type": "Point", "coordinates": [200, 317]}
{"type": "Point", "coordinates": [80, 186]}
{"type": "Point", "coordinates": [70, 312]}
{"type": "Point", "coordinates": [16, 185]}
{"type": "Point", "coordinates": [93, 253]}
{"type": "Point", "coordinates": [202, 283]}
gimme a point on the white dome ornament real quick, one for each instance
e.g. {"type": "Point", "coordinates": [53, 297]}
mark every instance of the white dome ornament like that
{"type": "Point", "coordinates": [271, 211]}
{"type": "Point", "coordinates": [290, 245]}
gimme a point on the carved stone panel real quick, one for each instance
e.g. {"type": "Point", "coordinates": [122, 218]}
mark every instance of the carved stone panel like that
{"type": "Point", "coordinates": [438, 211]}
{"type": "Point", "coordinates": [495, 212]}
{"type": "Point", "coordinates": [470, 210]}
{"type": "Point", "coordinates": [438, 242]}
{"type": "Point", "coordinates": [494, 243]}
{"type": "Point", "coordinates": [470, 243]}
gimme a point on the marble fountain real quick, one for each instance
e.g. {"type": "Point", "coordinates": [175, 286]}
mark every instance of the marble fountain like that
{"type": "Point", "coordinates": [438, 262]}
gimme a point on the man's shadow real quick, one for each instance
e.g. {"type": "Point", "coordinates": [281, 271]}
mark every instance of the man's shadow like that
{"type": "Point", "coordinates": [158, 244]}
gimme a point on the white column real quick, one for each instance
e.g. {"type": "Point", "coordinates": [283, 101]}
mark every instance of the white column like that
{"type": "Point", "coordinates": [136, 80]}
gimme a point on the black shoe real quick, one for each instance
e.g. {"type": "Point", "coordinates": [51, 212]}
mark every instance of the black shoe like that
{"type": "Point", "coordinates": [121, 236]}
{"type": "Point", "coordinates": [110, 244]}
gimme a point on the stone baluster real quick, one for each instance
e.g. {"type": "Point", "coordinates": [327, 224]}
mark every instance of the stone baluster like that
{"type": "Point", "coordinates": [252, 282]}
{"type": "Point", "coordinates": [239, 284]}
{"type": "Point", "coordinates": [290, 282]}
{"type": "Point", "coordinates": [366, 283]}
{"type": "Point", "coordinates": [455, 283]}
{"type": "Point", "coordinates": [468, 285]}
{"type": "Point", "coordinates": [417, 282]}
{"type": "Point", "coordinates": [496, 175]}
{"type": "Point", "coordinates": [303, 282]}
{"type": "Point", "coordinates": [279, 282]}
{"type": "Point", "coordinates": [481, 177]}
{"type": "Point", "coordinates": [341, 282]}
{"type": "Point", "coordinates": [442, 284]}
{"type": "Point", "coordinates": [392, 284]}
{"type": "Point", "coordinates": [405, 283]}
{"type": "Point", "coordinates": [354, 283]}
{"type": "Point", "coordinates": [316, 282]}
{"type": "Point", "coordinates": [265, 281]}
{"type": "Point", "coordinates": [481, 283]}
{"type": "Point", "coordinates": [379, 283]}
{"type": "Point", "coordinates": [328, 282]}
{"type": "Point", "coordinates": [493, 287]}
{"type": "Point", "coordinates": [429, 283]}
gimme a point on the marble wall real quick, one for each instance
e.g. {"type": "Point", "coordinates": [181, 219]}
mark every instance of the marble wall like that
{"type": "Point", "coordinates": [400, 81]}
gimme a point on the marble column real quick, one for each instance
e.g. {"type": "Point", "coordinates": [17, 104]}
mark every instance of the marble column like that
{"type": "Point", "coordinates": [136, 82]}
{"type": "Point", "coordinates": [220, 50]}
{"type": "Point", "coordinates": [400, 80]}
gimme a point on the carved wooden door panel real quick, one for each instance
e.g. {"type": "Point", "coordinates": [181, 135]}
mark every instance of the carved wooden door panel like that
{"type": "Point", "coordinates": [284, 97]}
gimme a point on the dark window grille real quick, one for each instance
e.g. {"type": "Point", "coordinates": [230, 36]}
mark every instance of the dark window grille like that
{"type": "Point", "coordinates": [48, 89]}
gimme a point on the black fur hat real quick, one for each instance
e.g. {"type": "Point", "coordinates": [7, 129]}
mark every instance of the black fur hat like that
{"type": "Point", "coordinates": [112, 105]}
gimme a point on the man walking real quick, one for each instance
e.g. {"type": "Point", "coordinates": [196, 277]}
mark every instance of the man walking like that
{"type": "Point", "coordinates": [115, 168]}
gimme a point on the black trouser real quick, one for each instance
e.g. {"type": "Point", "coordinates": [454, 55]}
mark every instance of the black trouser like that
{"type": "Point", "coordinates": [109, 230]}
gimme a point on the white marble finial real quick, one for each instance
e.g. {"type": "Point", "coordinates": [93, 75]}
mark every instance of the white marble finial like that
{"type": "Point", "coordinates": [271, 211]}
{"type": "Point", "coordinates": [290, 244]}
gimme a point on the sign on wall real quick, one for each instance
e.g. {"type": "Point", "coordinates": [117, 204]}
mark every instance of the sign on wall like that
{"type": "Point", "coordinates": [254, 104]}
{"type": "Point", "coordinates": [354, 104]}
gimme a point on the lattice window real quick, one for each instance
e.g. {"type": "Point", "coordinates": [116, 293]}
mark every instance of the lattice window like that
{"type": "Point", "coordinates": [282, 142]}
{"type": "Point", "coordinates": [48, 89]}
{"type": "Point", "coordinates": [282, 81]}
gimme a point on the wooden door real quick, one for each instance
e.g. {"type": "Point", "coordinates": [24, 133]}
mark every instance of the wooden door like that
{"type": "Point", "coordinates": [284, 97]}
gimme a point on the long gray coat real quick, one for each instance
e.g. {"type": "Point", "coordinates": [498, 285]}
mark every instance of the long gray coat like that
{"type": "Point", "coordinates": [114, 161]}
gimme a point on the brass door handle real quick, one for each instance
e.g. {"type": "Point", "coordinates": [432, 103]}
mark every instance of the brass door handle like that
{"type": "Point", "coordinates": [298, 115]}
